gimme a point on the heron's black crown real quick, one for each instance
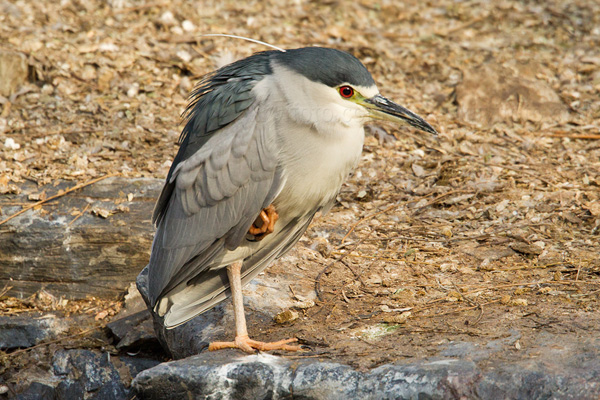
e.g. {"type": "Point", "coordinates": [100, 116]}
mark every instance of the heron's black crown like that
{"type": "Point", "coordinates": [328, 66]}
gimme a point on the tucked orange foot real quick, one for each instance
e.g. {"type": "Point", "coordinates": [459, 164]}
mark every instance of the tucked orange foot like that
{"type": "Point", "coordinates": [250, 346]}
{"type": "Point", "coordinates": [264, 223]}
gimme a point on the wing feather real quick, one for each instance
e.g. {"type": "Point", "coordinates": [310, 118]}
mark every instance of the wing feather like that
{"type": "Point", "coordinates": [251, 158]}
{"type": "Point", "coordinates": [221, 154]}
{"type": "Point", "coordinates": [218, 100]}
{"type": "Point", "coordinates": [227, 186]}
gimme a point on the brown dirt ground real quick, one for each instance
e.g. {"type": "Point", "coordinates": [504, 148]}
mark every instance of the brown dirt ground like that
{"type": "Point", "coordinates": [486, 229]}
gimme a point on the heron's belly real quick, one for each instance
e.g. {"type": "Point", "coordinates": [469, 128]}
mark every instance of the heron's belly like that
{"type": "Point", "coordinates": [313, 179]}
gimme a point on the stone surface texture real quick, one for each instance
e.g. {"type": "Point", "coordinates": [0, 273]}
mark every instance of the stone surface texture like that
{"type": "Point", "coordinates": [229, 375]}
{"type": "Point", "coordinates": [26, 331]}
{"type": "Point", "coordinates": [75, 258]}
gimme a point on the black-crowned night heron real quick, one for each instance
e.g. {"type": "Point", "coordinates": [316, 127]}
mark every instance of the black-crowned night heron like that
{"type": "Point", "coordinates": [267, 144]}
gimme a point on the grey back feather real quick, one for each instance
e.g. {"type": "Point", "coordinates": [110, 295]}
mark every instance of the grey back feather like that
{"type": "Point", "coordinates": [219, 99]}
{"type": "Point", "coordinates": [216, 197]}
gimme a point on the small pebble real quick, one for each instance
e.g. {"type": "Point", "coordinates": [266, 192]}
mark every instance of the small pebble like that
{"type": "Point", "coordinates": [188, 26]}
{"type": "Point", "coordinates": [519, 302]}
{"type": "Point", "coordinates": [396, 318]}
{"type": "Point", "coordinates": [286, 316]}
{"type": "Point", "coordinates": [10, 143]}
{"type": "Point", "coordinates": [133, 90]}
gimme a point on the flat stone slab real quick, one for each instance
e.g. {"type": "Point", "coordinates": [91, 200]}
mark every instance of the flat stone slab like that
{"type": "Point", "coordinates": [98, 253]}
{"type": "Point", "coordinates": [23, 331]}
{"type": "Point", "coordinates": [13, 71]}
{"type": "Point", "coordinates": [492, 93]}
{"type": "Point", "coordinates": [230, 375]}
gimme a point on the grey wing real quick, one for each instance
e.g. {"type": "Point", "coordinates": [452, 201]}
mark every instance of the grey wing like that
{"type": "Point", "coordinates": [218, 192]}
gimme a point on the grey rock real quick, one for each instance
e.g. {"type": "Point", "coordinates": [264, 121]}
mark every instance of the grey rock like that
{"type": "Point", "coordinates": [135, 365]}
{"type": "Point", "coordinates": [68, 389]}
{"type": "Point", "coordinates": [90, 371]}
{"type": "Point", "coordinates": [118, 245]}
{"type": "Point", "coordinates": [28, 330]}
{"type": "Point", "coordinates": [477, 352]}
{"type": "Point", "coordinates": [124, 322]}
{"type": "Point", "coordinates": [227, 375]}
{"type": "Point", "coordinates": [134, 302]}
{"type": "Point", "coordinates": [442, 379]}
{"type": "Point", "coordinates": [134, 331]}
{"type": "Point", "coordinates": [37, 391]}
{"type": "Point", "coordinates": [552, 367]}
{"type": "Point", "coordinates": [555, 369]}
{"type": "Point", "coordinates": [218, 376]}
{"type": "Point", "coordinates": [111, 390]}
{"type": "Point", "coordinates": [86, 374]}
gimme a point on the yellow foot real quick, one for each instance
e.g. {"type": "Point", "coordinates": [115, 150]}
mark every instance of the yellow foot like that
{"type": "Point", "coordinates": [250, 346]}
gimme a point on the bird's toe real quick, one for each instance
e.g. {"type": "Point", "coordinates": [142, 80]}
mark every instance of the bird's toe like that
{"type": "Point", "coordinates": [248, 345]}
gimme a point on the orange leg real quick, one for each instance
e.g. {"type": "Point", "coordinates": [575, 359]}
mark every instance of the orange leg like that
{"type": "Point", "coordinates": [264, 223]}
{"type": "Point", "coordinates": [242, 341]}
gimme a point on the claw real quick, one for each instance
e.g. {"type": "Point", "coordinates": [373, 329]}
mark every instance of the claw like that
{"type": "Point", "coordinates": [264, 223]}
{"type": "Point", "coordinates": [249, 346]}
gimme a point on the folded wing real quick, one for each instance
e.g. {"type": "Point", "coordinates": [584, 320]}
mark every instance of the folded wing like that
{"type": "Point", "coordinates": [215, 195]}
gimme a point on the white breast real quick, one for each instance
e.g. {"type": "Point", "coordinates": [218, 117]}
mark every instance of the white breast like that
{"type": "Point", "coordinates": [315, 166]}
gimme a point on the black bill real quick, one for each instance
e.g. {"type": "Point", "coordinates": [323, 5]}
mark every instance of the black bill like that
{"type": "Point", "coordinates": [383, 108]}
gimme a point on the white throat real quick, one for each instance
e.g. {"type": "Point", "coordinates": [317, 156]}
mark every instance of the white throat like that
{"type": "Point", "coordinates": [317, 105]}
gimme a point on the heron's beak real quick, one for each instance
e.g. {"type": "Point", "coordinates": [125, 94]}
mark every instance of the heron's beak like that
{"type": "Point", "coordinates": [382, 108]}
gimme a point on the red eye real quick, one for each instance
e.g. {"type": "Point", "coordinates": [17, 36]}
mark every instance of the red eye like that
{"type": "Point", "coordinates": [346, 92]}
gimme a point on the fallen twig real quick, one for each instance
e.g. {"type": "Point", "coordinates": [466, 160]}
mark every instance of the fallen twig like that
{"type": "Point", "coordinates": [80, 214]}
{"type": "Point", "coordinates": [5, 290]}
{"type": "Point", "coordinates": [588, 136]}
{"type": "Point", "coordinates": [56, 196]}
{"type": "Point", "coordinates": [54, 341]}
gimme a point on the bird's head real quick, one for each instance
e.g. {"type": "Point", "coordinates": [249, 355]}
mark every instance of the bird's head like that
{"type": "Point", "coordinates": [325, 84]}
